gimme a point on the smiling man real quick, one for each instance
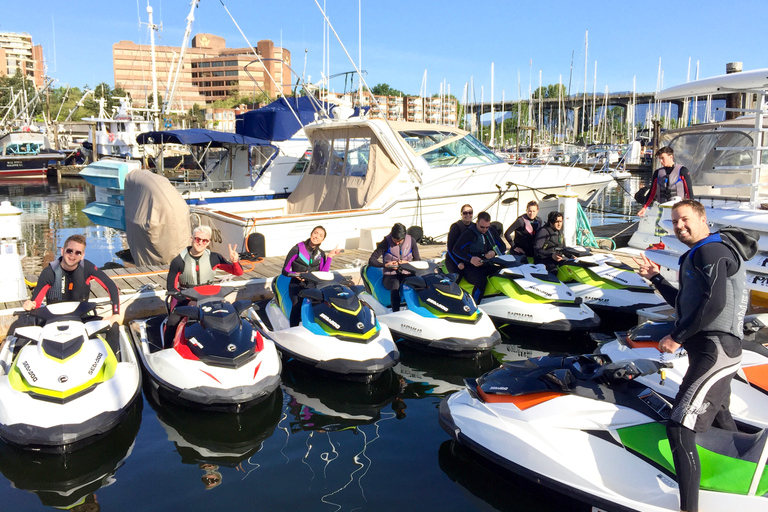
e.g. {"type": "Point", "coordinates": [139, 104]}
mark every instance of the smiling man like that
{"type": "Point", "coordinates": [710, 307]}
{"type": "Point", "coordinates": [68, 278]}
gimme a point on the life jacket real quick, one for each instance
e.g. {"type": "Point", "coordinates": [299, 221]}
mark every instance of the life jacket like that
{"type": "Point", "coordinates": [483, 243]}
{"type": "Point", "coordinates": [554, 240]}
{"type": "Point", "coordinates": [402, 252]}
{"type": "Point", "coordinates": [731, 318]}
{"type": "Point", "coordinates": [197, 271]}
{"type": "Point", "coordinates": [669, 184]}
{"type": "Point", "coordinates": [306, 262]}
{"type": "Point", "coordinates": [56, 292]}
{"type": "Point", "coordinates": [525, 235]}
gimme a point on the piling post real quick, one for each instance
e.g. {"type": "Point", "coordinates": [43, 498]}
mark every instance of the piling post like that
{"type": "Point", "coordinates": [733, 100]}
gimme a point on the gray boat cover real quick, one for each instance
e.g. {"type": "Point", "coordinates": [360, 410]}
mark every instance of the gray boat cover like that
{"type": "Point", "coordinates": [156, 218]}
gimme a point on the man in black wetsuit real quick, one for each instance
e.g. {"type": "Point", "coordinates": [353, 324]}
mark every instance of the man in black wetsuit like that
{"type": "Point", "coordinates": [710, 307]}
{"type": "Point", "coordinates": [478, 244]}
{"type": "Point", "coordinates": [68, 278]}
{"type": "Point", "coordinates": [457, 228]}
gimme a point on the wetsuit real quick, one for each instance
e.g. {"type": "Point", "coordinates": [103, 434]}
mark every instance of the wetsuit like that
{"type": "Point", "coordinates": [302, 258]}
{"type": "Point", "coordinates": [473, 243]}
{"type": "Point", "coordinates": [59, 285]}
{"type": "Point", "coordinates": [457, 228]}
{"type": "Point", "coordinates": [525, 231]}
{"type": "Point", "coordinates": [710, 307]}
{"type": "Point", "coordinates": [387, 251]}
{"type": "Point", "coordinates": [548, 241]}
{"type": "Point", "coordinates": [187, 271]}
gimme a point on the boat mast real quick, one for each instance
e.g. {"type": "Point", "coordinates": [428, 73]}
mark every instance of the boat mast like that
{"type": "Point", "coordinates": [584, 96]}
{"type": "Point", "coordinates": [190, 19]}
{"type": "Point", "coordinates": [152, 29]}
{"type": "Point", "coordinates": [493, 111]}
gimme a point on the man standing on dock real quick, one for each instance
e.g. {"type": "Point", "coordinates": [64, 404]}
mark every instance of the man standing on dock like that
{"type": "Point", "coordinates": [710, 307]}
{"type": "Point", "coordinates": [668, 181]}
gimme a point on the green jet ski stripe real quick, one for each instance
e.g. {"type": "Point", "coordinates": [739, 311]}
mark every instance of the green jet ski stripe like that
{"type": "Point", "coordinates": [718, 472]}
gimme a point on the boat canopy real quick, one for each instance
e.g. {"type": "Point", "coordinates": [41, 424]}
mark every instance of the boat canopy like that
{"type": "Point", "coordinates": [199, 137]}
{"type": "Point", "coordinates": [275, 121]}
{"type": "Point", "coordinates": [350, 168]}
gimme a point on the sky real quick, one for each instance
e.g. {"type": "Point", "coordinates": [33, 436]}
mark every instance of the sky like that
{"type": "Point", "coordinates": [452, 42]}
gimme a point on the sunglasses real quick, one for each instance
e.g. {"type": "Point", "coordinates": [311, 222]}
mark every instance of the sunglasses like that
{"type": "Point", "coordinates": [467, 212]}
{"type": "Point", "coordinates": [69, 250]}
{"type": "Point", "coordinates": [201, 240]}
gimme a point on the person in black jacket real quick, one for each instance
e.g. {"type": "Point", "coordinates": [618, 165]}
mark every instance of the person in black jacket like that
{"type": "Point", "coordinates": [457, 228]}
{"type": "Point", "coordinates": [549, 242]}
{"type": "Point", "coordinates": [475, 246]}
{"type": "Point", "coordinates": [396, 248]}
{"type": "Point", "coordinates": [709, 306]}
{"type": "Point", "coordinates": [524, 230]}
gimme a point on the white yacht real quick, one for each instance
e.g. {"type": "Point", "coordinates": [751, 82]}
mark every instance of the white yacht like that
{"type": "Point", "coordinates": [366, 174]}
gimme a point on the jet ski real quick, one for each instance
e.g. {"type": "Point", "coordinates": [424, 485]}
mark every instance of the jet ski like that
{"type": "Point", "coordinates": [67, 480]}
{"type": "Point", "coordinates": [338, 335]}
{"type": "Point", "coordinates": [62, 384]}
{"type": "Point", "coordinates": [439, 314]}
{"type": "Point", "coordinates": [749, 387]}
{"type": "Point", "coordinates": [604, 283]}
{"type": "Point", "coordinates": [527, 295]}
{"type": "Point", "coordinates": [216, 361]}
{"type": "Point", "coordinates": [584, 426]}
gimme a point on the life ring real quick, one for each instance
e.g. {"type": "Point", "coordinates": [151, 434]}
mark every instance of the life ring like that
{"type": "Point", "coordinates": [111, 137]}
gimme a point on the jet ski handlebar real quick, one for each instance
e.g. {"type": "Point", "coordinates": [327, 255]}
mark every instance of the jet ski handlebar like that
{"type": "Point", "coordinates": [62, 311]}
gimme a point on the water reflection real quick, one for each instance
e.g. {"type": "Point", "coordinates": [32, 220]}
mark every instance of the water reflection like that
{"type": "Point", "coordinates": [52, 211]}
{"type": "Point", "coordinates": [70, 480]}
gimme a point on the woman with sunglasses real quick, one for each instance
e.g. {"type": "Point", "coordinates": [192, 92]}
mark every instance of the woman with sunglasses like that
{"type": "Point", "coordinates": [195, 266]}
{"type": "Point", "coordinates": [306, 256]}
{"type": "Point", "coordinates": [68, 278]}
{"type": "Point", "coordinates": [453, 265]}
{"type": "Point", "coordinates": [396, 248]}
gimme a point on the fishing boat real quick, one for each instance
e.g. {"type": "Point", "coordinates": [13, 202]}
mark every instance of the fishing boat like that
{"type": "Point", "coordinates": [26, 154]}
{"type": "Point", "coordinates": [727, 163]}
{"type": "Point", "coordinates": [115, 135]}
{"type": "Point", "coordinates": [366, 174]}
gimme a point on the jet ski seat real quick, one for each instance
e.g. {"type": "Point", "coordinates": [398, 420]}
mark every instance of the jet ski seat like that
{"type": "Point", "coordinates": [739, 445]}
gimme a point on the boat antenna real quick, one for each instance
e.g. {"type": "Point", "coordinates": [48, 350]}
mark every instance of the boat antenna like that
{"type": "Point", "coordinates": [258, 57]}
{"type": "Point", "coordinates": [414, 172]}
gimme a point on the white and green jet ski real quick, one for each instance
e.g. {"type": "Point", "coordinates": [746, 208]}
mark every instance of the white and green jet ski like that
{"type": "Point", "coordinates": [62, 384]}
{"type": "Point", "coordinates": [585, 426]}
{"type": "Point", "coordinates": [438, 314]}
{"type": "Point", "coordinates": [604, 283]}
{"type": "Point", "coordinates": [524, 294]}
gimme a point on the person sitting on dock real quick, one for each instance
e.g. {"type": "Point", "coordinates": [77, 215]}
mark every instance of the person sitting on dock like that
{"type": "Point", "coordinates": [195, 266]}
{"type": "Point", "coordinates": [668, 181]}
{"type": "Point", "coordinates": [396, 248]}
{"type": "Point", "coordinates": [457, 228]}
{"type": "Point", "coordinates": [524, 230]}
{"type": "Point", "coordinates": [549, 242]}
{"type": "Point", "coordinates": [68, 278]}
{"type": "Point", "coordinates": [477, 244]}
{"type": "Point", "coordinates": [306, 256]}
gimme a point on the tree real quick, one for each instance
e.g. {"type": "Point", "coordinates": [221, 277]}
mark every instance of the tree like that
{"type": "Point", "coordinates": [386, 90]}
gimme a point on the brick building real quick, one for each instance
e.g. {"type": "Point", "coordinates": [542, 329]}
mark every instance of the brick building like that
{"type": "Point", "coordinates": [18, 52]}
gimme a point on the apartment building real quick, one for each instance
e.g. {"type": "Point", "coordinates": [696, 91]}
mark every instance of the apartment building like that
{"type": "Point", "coordinates": [210, 71]}
{"type": "Point", "coordinates": [18, 52]}
{"type": "Point", "coordinates": [407, 108]}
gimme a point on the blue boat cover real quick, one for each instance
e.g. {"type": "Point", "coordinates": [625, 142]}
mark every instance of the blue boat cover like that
{"type": "Point", "coordinates": [276, 121]}
{"type": "Point", "coordinates": [199, 137]}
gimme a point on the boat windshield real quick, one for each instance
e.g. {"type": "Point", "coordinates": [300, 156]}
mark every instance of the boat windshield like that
{"type": "Point", "coordinates": [447, 149]}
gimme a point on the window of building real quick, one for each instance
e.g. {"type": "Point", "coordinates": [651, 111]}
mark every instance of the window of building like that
{"type": "Point", "coordinates": [205, 64]}
{"type": "Point", "coordinates": [217, 64]}
{"type": "Point", "coordinates": [231, 72]}
{"type": "Point", "coordinates": [219, 83]}
{"type": "Point", "coordinates": [217, 73]}
{"type": "Point", "coordinates": [230, 63]}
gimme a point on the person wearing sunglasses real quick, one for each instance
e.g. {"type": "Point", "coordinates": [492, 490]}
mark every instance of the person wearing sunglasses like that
{"type": "Point", "coordinates": [453, 265]}
{"type": "Point", "coordinates": [396, 248]}
{"type": "Point", "coordinates": [195, 266]}
{"type": "Point", "coordinates": [306, 256]}
{"type": "Point", "coordinates": [68, 278]}
{"type": "Point", "coordinates": [521, 235]}
{"type": "Point", "coordinates": [478, 244]}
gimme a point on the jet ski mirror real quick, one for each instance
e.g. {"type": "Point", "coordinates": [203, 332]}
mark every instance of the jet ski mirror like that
{"type": "Point", "coordinates": [562, 377]}
{"type": "Point", "coordinates": [312, 294]}
{"type": "Point", "coordinates": [191, 312]}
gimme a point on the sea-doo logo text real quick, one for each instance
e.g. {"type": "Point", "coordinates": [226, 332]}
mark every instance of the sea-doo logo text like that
{"type": "Point", "coordinates": [95, 363]}
{"type": "Point", "coordinates": [410, 328]}
{"type": "Point", "coordinates": [437, 304]}
{"type": "Point", "coordinates": [329, 321]}
{"type": "Point", "coordinates": [63, 378]}
{"type": "Point", "coordinates": [539, 290]}
{"type": "Point", "coordinates": [29, 371]}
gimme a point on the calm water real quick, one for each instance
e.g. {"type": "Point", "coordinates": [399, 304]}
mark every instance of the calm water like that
{"type": "Point", "coordinates": [315, 445]}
